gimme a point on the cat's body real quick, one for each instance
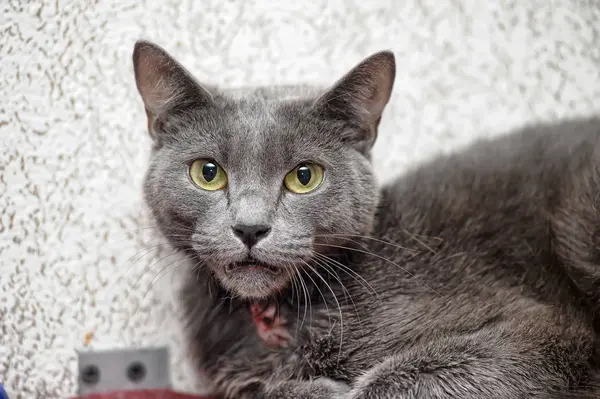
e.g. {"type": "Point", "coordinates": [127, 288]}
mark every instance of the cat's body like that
{"type": "Point", "coordinates": [476, 276]}
{"type": "Point", "coordinates": [473, 247]}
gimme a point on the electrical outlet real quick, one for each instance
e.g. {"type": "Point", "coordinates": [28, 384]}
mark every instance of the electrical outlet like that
{"type": "Point", "coordinates": [123, 370]}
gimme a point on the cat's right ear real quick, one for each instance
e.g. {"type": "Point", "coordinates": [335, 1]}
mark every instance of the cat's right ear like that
{"type": "Point", "coordinates": [360, 97]}
{"type": "Point", "coordinates": [164, 84]}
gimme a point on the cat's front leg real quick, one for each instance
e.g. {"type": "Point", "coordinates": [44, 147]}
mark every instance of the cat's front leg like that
{"type": "Point", "coordinates": [504, 363]}
{"type": "Point", "coordinates": [320, 388]}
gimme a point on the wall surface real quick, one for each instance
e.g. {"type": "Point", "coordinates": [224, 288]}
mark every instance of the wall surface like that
{"type": "Point", "coordinates": [76, 253]}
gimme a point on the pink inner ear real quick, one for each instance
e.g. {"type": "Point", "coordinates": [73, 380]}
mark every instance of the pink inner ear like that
{"type": "Point", "coordinates": [380, 70]}
{"type": "Point", "coordinates": [377, 103]}
{"type": "Point", "coordinates": [155, 81]}
{"type": "Point", "coordinates": [366, 89]}
{"type": "Point", "coordinates": [158, 78]}
{"type": "Point", "coordinates": [162, 82]}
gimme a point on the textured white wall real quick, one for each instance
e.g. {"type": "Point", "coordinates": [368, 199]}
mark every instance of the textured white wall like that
{"type": "Point", "coordinates": [74, 254]}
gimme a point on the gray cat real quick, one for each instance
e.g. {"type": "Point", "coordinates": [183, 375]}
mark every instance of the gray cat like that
{"type": "Point", "coordinates": [476, 275]}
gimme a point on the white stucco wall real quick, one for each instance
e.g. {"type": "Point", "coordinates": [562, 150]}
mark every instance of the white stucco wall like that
{"type": "Point", "coordinates": [74, 254]}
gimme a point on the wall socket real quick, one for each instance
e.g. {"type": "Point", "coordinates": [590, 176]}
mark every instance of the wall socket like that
{"type": "Point", "coordinates": [122, 370]}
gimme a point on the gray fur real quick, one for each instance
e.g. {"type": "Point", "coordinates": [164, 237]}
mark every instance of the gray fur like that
{"type": "Point", "coordinates": [476, 275]}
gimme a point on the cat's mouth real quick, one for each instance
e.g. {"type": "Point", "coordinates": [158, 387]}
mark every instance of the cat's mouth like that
{"type": "Point", "coordinates": [253, 278]}
{"type": "Point", "coordinates": [251, 265]}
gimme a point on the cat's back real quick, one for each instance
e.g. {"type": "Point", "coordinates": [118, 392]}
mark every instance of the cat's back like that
{"type": "Point", "coordinates": [537, 154]}
{"type": "Point", "coordinates": [532, 167]}
{"type": "Point", "coordinates": [513, 212]}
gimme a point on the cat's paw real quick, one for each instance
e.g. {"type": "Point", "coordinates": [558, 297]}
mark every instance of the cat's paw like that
{"type": "Point", "coordinates": [339, 388]}
{"type": "Point", "coordinates": [384, 381]}
{"type": "Point", "coordinates": [320, 388]}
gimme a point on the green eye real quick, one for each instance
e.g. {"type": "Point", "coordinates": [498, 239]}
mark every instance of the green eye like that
{"type": "Point", "coordinates": [305, 178]}
{"type": "Point", "coordinates": [208, 175]}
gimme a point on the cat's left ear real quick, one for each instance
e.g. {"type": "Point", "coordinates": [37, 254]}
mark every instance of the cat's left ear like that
{"type": "Point", "coordinates": [360, 97]}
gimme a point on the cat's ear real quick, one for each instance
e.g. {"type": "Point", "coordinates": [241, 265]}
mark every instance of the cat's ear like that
{"type": "Point", "coordinates": [360, 96]}
{"type": "Point", "coordinates": [164, 84]}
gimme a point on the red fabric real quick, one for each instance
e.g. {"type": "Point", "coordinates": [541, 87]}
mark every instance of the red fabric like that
{"type": "Point", "coordinates": [148, 394]}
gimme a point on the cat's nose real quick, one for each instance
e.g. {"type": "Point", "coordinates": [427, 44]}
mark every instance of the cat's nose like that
{"type": "Point", "coordinates": [251, 234]}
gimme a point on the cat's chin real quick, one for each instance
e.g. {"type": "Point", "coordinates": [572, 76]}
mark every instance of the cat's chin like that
{"type": "Point", "coordinates": [253, 280]}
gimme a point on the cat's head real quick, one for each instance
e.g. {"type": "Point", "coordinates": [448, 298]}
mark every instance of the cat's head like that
{"type": "Point", "coordinates": [257, 188]}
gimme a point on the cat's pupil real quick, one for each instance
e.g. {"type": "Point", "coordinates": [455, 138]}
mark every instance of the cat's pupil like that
{"type": "Point", "coordinates": [209, 171]}
{"type": "Point", "coordinates": [304, 175]}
